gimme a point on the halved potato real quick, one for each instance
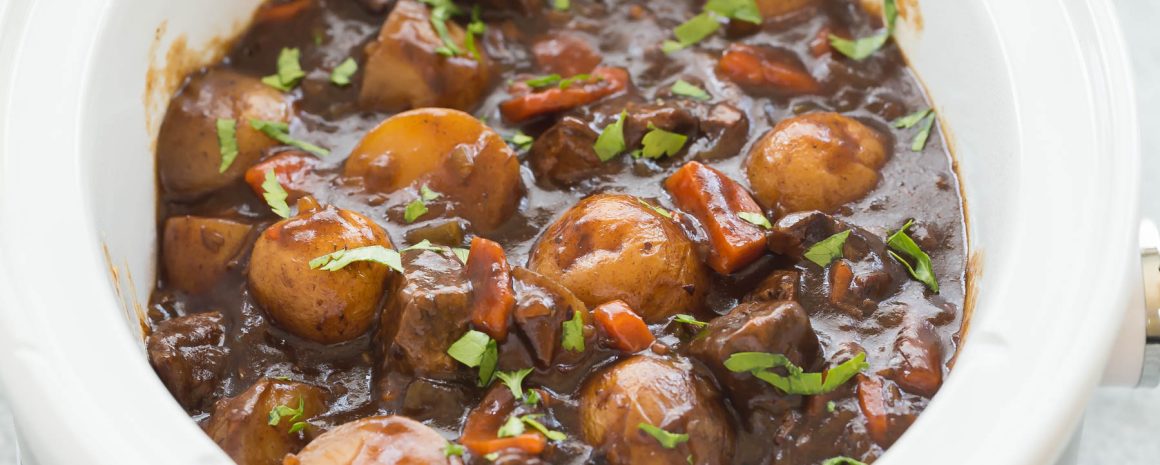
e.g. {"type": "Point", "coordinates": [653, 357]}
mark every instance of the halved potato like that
{"type": "Point", "coordinates": [197, 251]}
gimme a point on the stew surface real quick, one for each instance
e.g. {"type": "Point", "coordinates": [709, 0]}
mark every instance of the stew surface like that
{"type": "Point", "coordinates": [516, 231]}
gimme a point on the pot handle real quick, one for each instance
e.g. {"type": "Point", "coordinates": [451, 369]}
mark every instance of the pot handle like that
{"type": "Point", "coordinates": [1135, 358]}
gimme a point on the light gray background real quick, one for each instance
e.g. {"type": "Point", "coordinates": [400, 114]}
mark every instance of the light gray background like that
{"type": "Point", "coordinates": [1122, 425]}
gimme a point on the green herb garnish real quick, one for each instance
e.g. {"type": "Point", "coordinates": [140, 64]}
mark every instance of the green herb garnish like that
{"type": "Point", "coordinates": [461, 253]}
{"type": "Point", "coordinates": [561, 5]}
{"type": "Point", "coordinates": [923, 269]}
{"type": "Point", "coordinates": [689, 320]}
{"type": "Point", "coordinates": [475, 27]}
{"type": "Point", "coordinates": [289, 71]}
{"type": "Point", "coordinates": [553, 435]}
{"type": "Point", "coordinates": [227, 133]}
{"type": "Point", "coordinates": [686, 89]}
{"type": "Point", "coordinates": [611, 143]}
{"type": "Point", "coordinates": [275, 195]}
{"type": "Point", "coordinates": [291, 414]}
{"type": "Point", "coordinates": [335, 261]}
{"type": "Point", "coordinates": [469, 349]}
{"type": "Point", "coordinates": [841, 460]}
{"type": "Point", "coordinates": [827, 250]}
{"type": "Point", "coordinates": [544, 81]}
{"type": "Point", "coordinates": [511, 428]}
{"type": "Point", "coordinates": [906, 122]}
{"type": "Point", "coordinates": [920, 139]}
{"type": "Point", "coordinates": [658, 142]}
{"type": "Point", "coordinates": [660, 211]}
{"type": "Point", "coordinates": [743, 10]}
{"type": "Point", "coordinates": [668, 440]}
{"type": "Point", "coordinates": [414, 210]}
{"type": "Point", "coordinates": [859, 49]}
{"type": "Point", "coordinates": [755, 218]}
{"type": "Point", "coordinates": [692, 31]}
{"type": "Point", "coordinates": [341, 74]}
{"type": "Point", "coordinates": [453, 449]}
{"type": "Point", "coordinates": [520, 140]}
{"type": "Point", "coordinates": [514, 380]}
{"type": "Point", "coordinates": [280, 132]}
{"type": "Point", "coordinates": [441, 12]}
{"type": "Point", "coordinates": [759, 365]}
{"type": "Point", "coordinates": [573, 337]}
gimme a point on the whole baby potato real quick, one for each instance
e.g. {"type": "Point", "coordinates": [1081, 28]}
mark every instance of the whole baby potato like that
{"type": "Point", "coordinates": [189, 155]}
{"type": "Point", "coordinates": [615, 247]}
{"type": "Point", "coordinates": [316, 304]}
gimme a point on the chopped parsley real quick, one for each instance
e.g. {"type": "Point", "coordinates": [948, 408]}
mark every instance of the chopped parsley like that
{"type": "Point", "coordinates": [280, 132]}
{"type": "Point", "coordinates": [842, 460]}
{"type": "Point", "coordinates": [561, 5]}
{"type": "Point", "coordinates": [831, 406]}
{"type": "Point", "coordinates": [453, 449]}
{"type": "Point", "coordinates": [511, 428]}
{"type": "Point", "coordinates": [475, 27]}
{"type": "Point", "coordinates": [553, 435]}
{"type": "Point", "coordinates": [441, 12]}
{"type": "Point", "coordinates": [566, 83]}
{"type": "Point", "coordinates": [476, 349]}
{"type": "Point", "coordinates": [425, 245]}
{"type": "Point", "coordinates": [544, 81]}
{"type": "Point", "coordinates": [335, 261]}
{"type": "Point", "coordinates": [692, 31]}
{"type": "Point", "coordinates": [514, 380]}
{"type": "Point", "coordinates": [289, 71]}
{"type": "Point", "coordinates": [461, 253]}
{"type": "Point", "coordinates": [742, 10]}
{"type": "Point", "coordinates": [227, 133]}
{"type": "Point", "coordinates": [859, 49]}
{"type": "Point", "coordinates": [668, 440]}
{"type": "Point", "coordinates": [689, 320]}
{"type": "Point", "coordinates": [573, 336]}
{"type": "Point", "coordinates": [926, 117]}
{"type": "Point", "coordinates": [341, 74]}
{"type": "Point", "coordinates": [796, 381]}
{"type": "Point", "coordinates": [611, 143]}
{"type": "Point", "coordinates": [660, 211]}
{"type": "Point", "coordinates": [274, 418]}
{"type": "Point", "coordinates": [685, 89]}
{"type": "Point", "coordinates": [427, 194]}
{"type": "Point", "coordinates": [908, 121]}
{"type": "Point", "coordinates": [520, 140]}
{"type": "Point", "coordinates": [414, 210]}
{"type": "Point", "coordinates": [275, 195]}
{"type": "Point", "coordinates": [922, 270]}
{"type": "Point", "coordinates": [658, 142]}
{"type": "Point", "coordinates": [920, 139]}
{"type": "Point", "coordinates": [755, 218]}
{"type": "Point", "coordinates": [827, 250]}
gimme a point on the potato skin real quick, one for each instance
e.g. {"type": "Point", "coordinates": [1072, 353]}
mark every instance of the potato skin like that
{"type": "Point", "coordinates": [817, 161]}
{"type": "Point", "coordinates": [450, 151]}
{"type": "Point", "coordinates": [197, 251]}
{"type": "Point", "coordinates": [188, 153]}
{"type": "Point", "coordinates": [322, 306]}
{"type": "Point", "coordinates": [665, 393]}
{"type": "Point", "coordinates": [380, 440]}
{"type": "Point", "coordinates": [612, 246]}
{"type": "Point", "coordinates": [240, 425]}
{"type": "Point", "coordinates": [404, 71]}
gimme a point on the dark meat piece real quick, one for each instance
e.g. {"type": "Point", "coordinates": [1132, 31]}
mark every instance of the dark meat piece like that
{"type": "Point", "coordinates": [774, 327]}
{"type": "Point", "coordinates": [542, 306]}
{"type": "Point", "coordinates": [566, 54]}
{"type": "Point", "coordinates": [427, 311]}
{"type": "Point", "coordinates": [724, 132]}
{"type": "Point", "coordinates": [671, 116]}
{"type": "Point", "coordinates": [857, 283]}
{"type": "Point", "coordinates": [564, 156]}
{"type": "Point", "coordinates": [241, 425]}
{"type": "Point", "coordinates": [779, 285]}
{"type": "Point", "coordinates": [920, 352]}
{"type": "Point", "coordinates": [188, 355]}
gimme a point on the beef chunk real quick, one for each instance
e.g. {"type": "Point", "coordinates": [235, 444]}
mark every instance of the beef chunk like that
{"type": "Point", "coordinates": [188, 355]}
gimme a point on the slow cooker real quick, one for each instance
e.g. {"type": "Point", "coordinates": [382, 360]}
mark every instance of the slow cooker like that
{"type": "Point", "coordinates": [1035, 97]}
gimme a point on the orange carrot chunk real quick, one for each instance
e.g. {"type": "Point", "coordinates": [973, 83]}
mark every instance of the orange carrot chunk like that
{"type": "Point", "coordinates": [492, 298]}
{"type": "Point", "coordinates": [715, 200]}
{"type": "Point", "coordinates": [284, 11]}
{"type": "Point", "coordinates": [625, 329]}
{"type": "Point", "coordinates": [480, 433]}
{"type": "Point", "coordinates": [527, 102]}
{"type": "Point", "coordinates": [765, 70]}
{"type": "Point", "coordinates": [290, 167]}
{"type": "Point", "coordinates": [872, 400]}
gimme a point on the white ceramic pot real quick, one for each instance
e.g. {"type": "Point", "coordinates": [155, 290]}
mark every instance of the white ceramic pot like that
{"type": "Point", "coordinates": [1034, 95]}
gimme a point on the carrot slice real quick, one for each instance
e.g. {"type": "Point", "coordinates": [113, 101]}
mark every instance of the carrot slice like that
{"type": "Point", "coordinates": [492, 298]}
{"type": "Point", "coordinates": [625, 329]}
{"type": "Point", "coordinates": [277, 12]}
{"type": "Point", "coordinates": [764, 69]}
{"type": "Point", "coordinates": [291, 169]}
{"type": "Point", "coordinates": [715, 200]}
{"type": "Point", "coordinates": [482, 427]}
{"type": "Point", "coordinates": [872, 400]}
{"type": "Point", "coordinates": [527, 102]}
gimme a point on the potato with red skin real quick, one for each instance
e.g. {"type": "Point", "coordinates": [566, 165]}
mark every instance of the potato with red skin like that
{"type": "Point", "coordinates": [197, 251]}
{"type": "Point", "coordinates": [817, 161]}
{"type": "Point", "coordinates": [449, 151]}
{"type": "Point", "coordinates": [665, 393]}
{"type": "Point", "coordinates": [403, 70]}
{"type": "Point", "coordinates": [378, 440]}
{"type": "Point", "coordinates": [188, 152]}
{"type": "Point", "coordinates": [615, 247]}
{"type": "Point", "coordinates": [241, 425]}
{"type": "Point", "coordinates": [319, 305]}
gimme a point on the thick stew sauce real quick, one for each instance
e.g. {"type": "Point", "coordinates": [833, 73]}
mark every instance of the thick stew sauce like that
{"type": "Point", "coordinates": [551, 231]}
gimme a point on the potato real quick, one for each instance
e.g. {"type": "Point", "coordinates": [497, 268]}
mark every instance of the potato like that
{"type": "Point", "coordinates": [197, 251]}
{"type": "Point", "coordinates": [240, 425]}
{"type": "Point", "coordinates": [614, 247]}
{"type": "Point", "coordinates": [188, 152]}
{"type": "Point", "coordinates": [404, 71]}
{"type": "Point", "coordinates": [380, 440]}
{"type": "Point", "coordinates": [817, 161]}
{"type": "Point", "coordinates": [451, 152]}
{"type": "Point", "coordinates": [664, 393]}
{"type": "Point", "coordinates": [189, 355]}
{"type": "Point", "coordinates": [323, 306]}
